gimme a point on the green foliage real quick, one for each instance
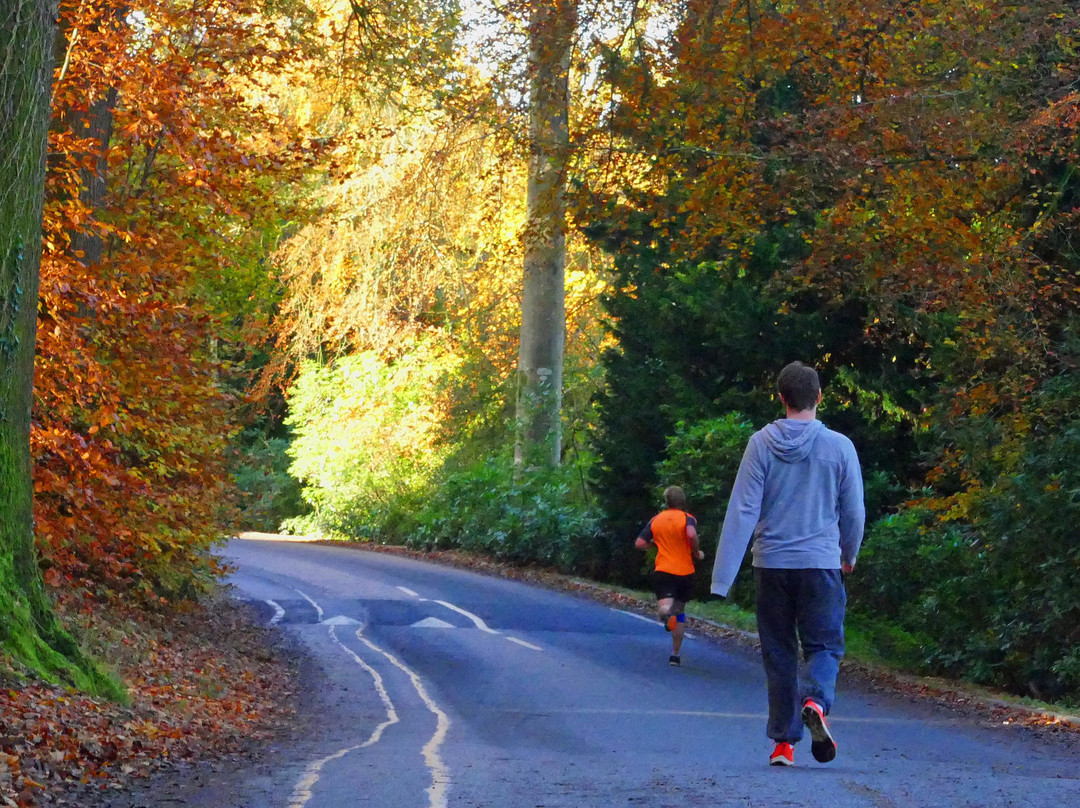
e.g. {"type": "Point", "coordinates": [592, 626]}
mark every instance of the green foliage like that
{"type": "Point", "coordinates": [884, 643]}
{"type": "Point", "coordinates": [703, 459]}
{"type": "Point", "coordinates": [697, 341]}
{"type": "Point", "coordinates": [364, 446]}
{"type": "Point", "coordinates": [691, 345]}
{"type": "Point", "coordinates": [267, 493]}
{"type": "Point", "coordinates": [537, 517]}
{"type": "Point", "coordinates": [994, 596]}
{"type": "Point", "coordinates": [1029, 557]}
{"type": "Point", "coordinates": [903, 561]}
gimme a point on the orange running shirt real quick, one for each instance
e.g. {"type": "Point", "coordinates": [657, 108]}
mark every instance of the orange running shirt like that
{"type": "Point", "coordinates": [668, 530]}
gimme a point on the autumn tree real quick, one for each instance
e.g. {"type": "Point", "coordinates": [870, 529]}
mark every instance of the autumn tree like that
{"type": "Point", "coordinates": [400, 314]}
{"type": "Point", "coordinates": [420, 253]}
{"type": "Point", "coordinates": [170, 175]}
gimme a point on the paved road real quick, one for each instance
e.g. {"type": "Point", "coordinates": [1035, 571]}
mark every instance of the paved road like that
{"type": "Point", "coordinates": [448, 688]}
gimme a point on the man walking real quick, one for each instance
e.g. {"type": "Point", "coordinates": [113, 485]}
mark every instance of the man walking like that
{"type": "Point", "coordinates": [799, 494]}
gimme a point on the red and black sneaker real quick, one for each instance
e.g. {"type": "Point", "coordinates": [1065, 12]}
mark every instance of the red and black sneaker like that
{"type": "Point", "coordinates": [783, 755]}
{"type": "Point", "coordinates": [822, 745]}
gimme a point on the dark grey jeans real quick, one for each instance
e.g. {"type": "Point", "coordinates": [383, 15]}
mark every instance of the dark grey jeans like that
{"type": "Point", "coordinates": [793, 607]}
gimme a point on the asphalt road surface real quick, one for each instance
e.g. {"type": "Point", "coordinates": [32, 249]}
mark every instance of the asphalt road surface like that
{"type": "Point", "coordinates": [444, 687]}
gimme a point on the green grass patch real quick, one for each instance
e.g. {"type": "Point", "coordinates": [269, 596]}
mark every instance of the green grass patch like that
{"type": "Point", "coordinates": [876, 644]}
{"type": "Point", "coordinates": [723, 612]}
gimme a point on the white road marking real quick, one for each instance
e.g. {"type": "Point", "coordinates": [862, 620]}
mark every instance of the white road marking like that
{"type": "Point", "coordinates": [654, 621]}
{"type": "Point", "coordinates": [431, 622]}
{"type": "Point", "coordinates": [340, 620]}
{"type": "Point", "coordinates": [278, 613]}
{"type": "Point", "coordinates": [302, 792]}
{"type": "Point", "coordinates": [434, 622]}
{"type": "Point", "coordinates": [480, 624]}
{"type": "Point", "coordinates": [440, 775]}
{"type": "Point", "coordinates": [636, 616]}
{"type": "Point", "coordinates": [318, 608]}
{"type": "Point", "coordinates": [715, 714]}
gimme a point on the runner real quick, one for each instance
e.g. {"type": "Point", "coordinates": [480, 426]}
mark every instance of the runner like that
{"type": "Point", "coordinates": [673, 532]}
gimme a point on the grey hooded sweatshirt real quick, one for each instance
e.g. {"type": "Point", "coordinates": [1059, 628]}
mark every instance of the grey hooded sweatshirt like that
{"type": "Point", "coordinates": [799, 495]}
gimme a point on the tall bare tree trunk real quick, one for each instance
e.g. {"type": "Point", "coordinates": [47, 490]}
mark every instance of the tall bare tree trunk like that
{"type": "Point", "coordinates": [95, 124]}
{"type": "Point", "coordinates": [91, 122]}
{"type": "Point", "coordinates": [28, 629]}
{"type": "Point", "coordinates": [543, 304]}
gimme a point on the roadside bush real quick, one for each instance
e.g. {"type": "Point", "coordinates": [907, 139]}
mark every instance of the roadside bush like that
{"type": "Point", "coordinates": [1030, 556]}
{"type": "Point", "coordinates": [542, 517]}
{"type": "Point", "coordinates": [703, 458]}
{"type": "Point", "coordinates": [365, 442]}
{"type": "Point", "coordinates": [994, 596]}
{"type": "Point", "coordinates": [905, 557]}
{"type": "Point", "coordinates": [267, 493]}
{"type": "Point", "coordinates": [705, 333]}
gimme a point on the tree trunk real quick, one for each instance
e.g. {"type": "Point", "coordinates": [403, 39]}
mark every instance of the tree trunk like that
{"type": "Point", "coordinates": [28, 629]}
{"type": "Point", "coordinates": [92, 123]}
{"type": "Point", "coordinates": [96, 125]}
{"type": "Point", "coordinates": [543, 306]}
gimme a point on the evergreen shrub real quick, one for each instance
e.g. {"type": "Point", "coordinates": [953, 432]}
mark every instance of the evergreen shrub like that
{"type": "Point", "coordinates": [994, 595]}
{"type": "Point", "coordinates": [706, 336]}
{"type": "Point", "coordinates": [267, 493]}
{"type": "Point", "coordinates": [541, 516]}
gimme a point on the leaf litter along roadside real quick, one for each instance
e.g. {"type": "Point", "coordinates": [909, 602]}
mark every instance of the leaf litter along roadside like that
{"type": "Point", "coordinates": [205, 683]}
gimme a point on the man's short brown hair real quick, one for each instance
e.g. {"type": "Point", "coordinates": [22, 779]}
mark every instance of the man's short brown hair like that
{"type": "Point", "coordinates": [675, 497]}
{"type": "Point", "coordinates": [799, 386]}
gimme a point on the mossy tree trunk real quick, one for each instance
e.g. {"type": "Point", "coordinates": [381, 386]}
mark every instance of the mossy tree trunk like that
{"type": "Point", "coordinates": [29, 632]}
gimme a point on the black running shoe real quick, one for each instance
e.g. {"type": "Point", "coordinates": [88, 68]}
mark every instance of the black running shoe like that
{"type": "Point", "coordinates": [674, 661]}
{"type": "Point", "coordinates": [822, 745]}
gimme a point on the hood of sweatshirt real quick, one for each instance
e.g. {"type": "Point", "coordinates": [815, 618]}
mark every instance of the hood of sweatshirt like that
{"type": "Point", "coordinates": [791, 440]}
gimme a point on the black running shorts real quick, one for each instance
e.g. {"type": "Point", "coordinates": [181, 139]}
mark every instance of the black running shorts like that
{"type": "Point", "coordinates": [679, 587]}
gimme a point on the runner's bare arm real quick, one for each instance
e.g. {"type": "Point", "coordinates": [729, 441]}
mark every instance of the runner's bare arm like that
{"type": "Point", "coordinates": [695, 548]}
